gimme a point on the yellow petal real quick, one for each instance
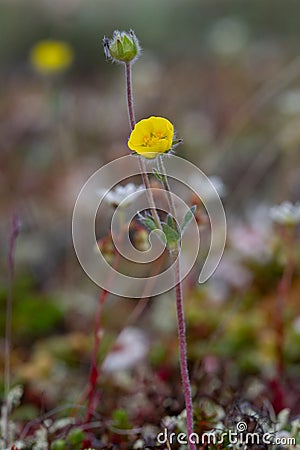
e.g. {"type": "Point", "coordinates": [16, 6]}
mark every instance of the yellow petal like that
{"type": "Point", "coordinates": [151, 136]}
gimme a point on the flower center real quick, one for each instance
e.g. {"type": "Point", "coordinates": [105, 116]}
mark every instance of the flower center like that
{"type": "Point", "coordinates": [153, 138]}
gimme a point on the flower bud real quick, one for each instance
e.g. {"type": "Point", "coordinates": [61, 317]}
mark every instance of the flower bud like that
{"type": "Point", "coordinates": [123, 47]}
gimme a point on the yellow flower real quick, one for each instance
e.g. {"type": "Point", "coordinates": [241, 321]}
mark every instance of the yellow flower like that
{"type": "Point", "coordinates": [50, 57]}
{"type": "Point", "coordinates": [151, 137]}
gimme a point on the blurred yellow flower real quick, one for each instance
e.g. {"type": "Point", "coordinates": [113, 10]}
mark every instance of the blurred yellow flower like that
{"type": "Point", "coordinates": [50, 57]}
{"type": "Point", "coordinates": [151, 137]}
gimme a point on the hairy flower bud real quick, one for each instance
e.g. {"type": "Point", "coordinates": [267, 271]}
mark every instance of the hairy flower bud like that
{"type": "Point", "coordinates": [123, 47]}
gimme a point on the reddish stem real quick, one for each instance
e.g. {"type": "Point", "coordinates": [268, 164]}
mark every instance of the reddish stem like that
{"type": "Point", "coordinates": [179, 297]}
{"type": "Point", "coordinates": [183, 353]}
{"type": "Point", "coordinates": [143, 169]}
{"type": "Point", "coordinates": [130, 104]}
{"type": "Point", "coordinates": [94, 371]}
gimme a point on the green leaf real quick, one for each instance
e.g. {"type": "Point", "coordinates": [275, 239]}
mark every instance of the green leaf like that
{"type": "Point", "coordinates": [187, 218]}
{"type": "Point", "coordinates": [172, 236]}
{"type": "Point", "coordinates": [148, 222]}
{"type": "Point", "coordinates": [120, 418]}
{"type": "Point", "coordinates": [60, 444]}
{"type": "Point", "coordinates": [158, 175]}
{"type": "Point", "coordinates": [170, 221]}
{"type": "Point", "coordinates": [75, 438]}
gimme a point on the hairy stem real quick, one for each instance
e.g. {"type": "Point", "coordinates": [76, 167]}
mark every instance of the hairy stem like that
{"type": "Point", "coordinates": [180, 314]}
{"type": "Point", "coordinates": [143, 169]}
{"type": "Point", "coordinates": [130, 104]}
{"type": "Point", "coordinates": [167, 189]}
{"type": "Point", "coordinates": [175, 257]}
{"type": "Point", "coordinates": [183, 352]}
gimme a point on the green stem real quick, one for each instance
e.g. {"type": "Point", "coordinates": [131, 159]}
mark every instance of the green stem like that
{"type": "Point", "coordinates": [166, 185]}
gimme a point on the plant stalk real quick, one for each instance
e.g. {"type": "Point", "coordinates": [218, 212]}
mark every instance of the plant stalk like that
{"type": "Point", "coordinates": [175, 257]}
{"type": "Point", "coordinates": [143, 169]}
{"type": "Point", "coordinates": [180, 314]}
{"type": "Point", "coordinates": [94, 371]}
